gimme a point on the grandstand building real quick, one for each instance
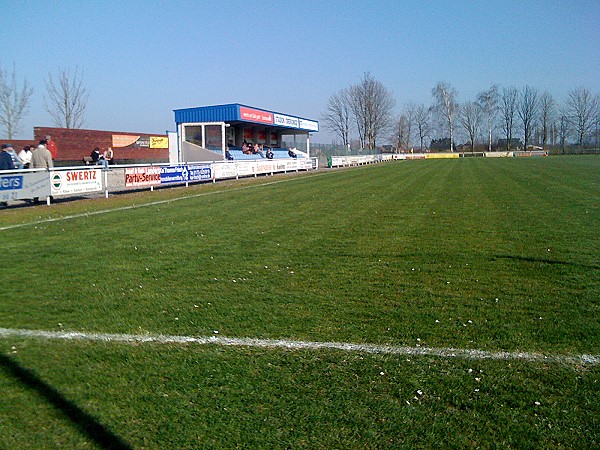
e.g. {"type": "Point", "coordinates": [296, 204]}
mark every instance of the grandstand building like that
{"type": "Point", "coordinates": [218, 133]}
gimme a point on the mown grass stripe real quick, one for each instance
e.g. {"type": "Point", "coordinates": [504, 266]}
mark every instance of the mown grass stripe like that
{"type": "Point", "coordinates": [589, 360]}
{"type": "Point", "coordinates": [154, 203]}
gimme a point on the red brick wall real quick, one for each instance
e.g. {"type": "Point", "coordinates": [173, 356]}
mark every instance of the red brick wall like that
{"type": "Point", "coordinates": [18, 144]}
{"type": "Point", "coordinates": [74, 144]}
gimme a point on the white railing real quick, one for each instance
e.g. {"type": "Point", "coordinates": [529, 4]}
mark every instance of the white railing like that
{"type": "Point", "coordinates": [344, 161]}
{"type": "Point", "coordinates": [64, 181]}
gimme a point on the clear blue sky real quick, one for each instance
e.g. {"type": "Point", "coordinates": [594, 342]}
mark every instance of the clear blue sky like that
{"type": "Point", "coordinates": [142, 59]}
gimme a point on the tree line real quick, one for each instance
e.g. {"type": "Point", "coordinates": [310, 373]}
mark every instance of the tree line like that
{"type": "Point", "coordinates": [65, 100]}
{"type": "Point", "coordinates": [366, 110]}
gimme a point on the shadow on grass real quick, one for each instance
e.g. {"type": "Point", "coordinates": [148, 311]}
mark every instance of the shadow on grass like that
{"type": "Point", "coordinates": [546, 261]}
{"type": "Point", "coordinates": [86, 423]}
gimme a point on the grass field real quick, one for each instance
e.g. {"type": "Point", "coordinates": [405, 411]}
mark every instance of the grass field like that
{"type": "Point", "coordinates": [497, 260]}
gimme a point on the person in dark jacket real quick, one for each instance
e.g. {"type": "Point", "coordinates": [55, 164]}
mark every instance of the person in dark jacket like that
{"type": "Point", "coordinates": [95, 155]}
{"type": "Point", "coordinates": [98, 158]}
{"type": "Point", "coordinates": [6, 162]}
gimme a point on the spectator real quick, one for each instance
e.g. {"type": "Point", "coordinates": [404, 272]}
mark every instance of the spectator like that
{"type": "Point", "coordinates": [8, 148]}
{"type": "Point", "coordinates": [269, 154]}
{"type": "Point", "coordinates": [95, 155]}
{"type": "Point", "coordinates": [98, 158]}
{"type": "Point", "coordinates": [41, 157]}
{"type": "Point", "coordinates": [108, 156]}
{"type": "Point", "coordinates": [51, 145]}
{"type": "Point", "coordinates": [25, 156]}
{"type": "Point", "coordinates": [6, 162]}
{"type": "Point", "coordinates": [291, 153]}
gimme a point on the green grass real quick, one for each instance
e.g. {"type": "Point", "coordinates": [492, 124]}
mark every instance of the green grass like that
{"type": "Point", "coordinates": [495, 255]}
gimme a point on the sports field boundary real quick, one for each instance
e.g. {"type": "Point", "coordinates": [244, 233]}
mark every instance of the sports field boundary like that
{"type": "Point", "coordinates": [471, 354]}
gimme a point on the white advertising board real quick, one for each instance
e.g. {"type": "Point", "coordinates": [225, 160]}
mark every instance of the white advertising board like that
{"type": "Point", "coordinates": [286, 121]}
{"type": "Point", "coordinates": [309, 125]}
{"type": "Point", "coordinates": [22, 185]}
{"type": "Point", "coordinates": [265, 167]}
{"type": "Point", "coordinates": [77, 181]}
{"type": "Point", "coordinates": [498, 154]}
{"type": "Point", "coordinates": [246, 168]}
{"type": "Point", "coordinates": [224, 170]}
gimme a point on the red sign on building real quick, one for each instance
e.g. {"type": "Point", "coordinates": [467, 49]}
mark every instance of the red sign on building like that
{"type": "Point", "coordinates": [256, 115]}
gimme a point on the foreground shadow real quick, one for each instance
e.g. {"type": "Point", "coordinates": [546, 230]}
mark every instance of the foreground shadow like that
{"type": "Point", "coordinates": [546, 261]}
{"type": "Point", "coordinates": [85, 423]}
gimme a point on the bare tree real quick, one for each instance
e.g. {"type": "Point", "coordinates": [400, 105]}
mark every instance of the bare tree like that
{"type": "Point", "coordinates": [582, 110]}
{"type": "Point", "coordinates": [401, 132]}
{"type": "Point", "coordinates": [403, 129]}
{"type": "Point", "coordinates": [564, 130]}
{"type": "Point", "coordinates": [446, 106]}
{"type": "Point", "coordinates": [14, 102]}
{"type": "Point", "coordinates": [470, 118]}
{"type": "Point", "coordinates": [67, 98]}
{"type": "Point", "coordinates": [527, 110]}
{"type": "Point", "coordinates": [422, 119]}
{"type": "Point", "coordinates": [508, 111]}
{"type": "Point", "coordinates": [488, 102]}
{"type": "Point", "coordinates": [338, 115]}
{"type": "Point", "coordinates": [547, 109]}
{"type": "Point", "coordinates": [372, 105]}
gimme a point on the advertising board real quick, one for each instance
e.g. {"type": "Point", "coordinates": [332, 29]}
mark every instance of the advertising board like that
{"type": "Point", "coordinates": [142, 176]}
{"type": "Point", "coordinates": [498, 154]}
{"type": "Point", "coordinates": [159, 142]}
{"type": "Point", "coordinates": [309, 125]}
{"type": "Point", "coordinates": [295, 122]}
{"type": "Point", "coordinates": [265, 167]}
{"type": "Point", "coordinates": [16, 186]}
{"type": "Point", "coordinates": [286, 121]}
{"type": "Point", "coordinates": [121, 140]}
{"type": "Point", "coordinates": [256, 115]}
{"type": "Point", "coordinates": [185, 173]}
{"type": "Point", "coordinates": [224, 170]}
{"type": "Point", "coordinates": [246, 168]}
{"type": "Point", "coordinates": [76, 181]}
{"type": "Point", "coordinates": [442, 155]}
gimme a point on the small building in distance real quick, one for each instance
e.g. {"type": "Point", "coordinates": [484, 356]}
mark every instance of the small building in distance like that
{"type": "Point", "coordinates": [515, 144]}
{"type": "Point", "coordinates": [207, 133]}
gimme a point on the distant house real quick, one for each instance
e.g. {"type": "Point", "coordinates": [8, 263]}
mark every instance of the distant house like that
{"type": "Point", "coordinates": [514, 143]}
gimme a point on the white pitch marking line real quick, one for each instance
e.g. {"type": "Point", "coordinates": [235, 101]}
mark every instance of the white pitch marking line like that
{"type": "Point", "coordinates": [590, 360]}
{"type": "Point", "coordinates": [158, 202]}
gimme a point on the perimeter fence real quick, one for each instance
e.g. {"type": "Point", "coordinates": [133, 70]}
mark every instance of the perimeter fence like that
{"type": "Point", "coordinates": [46, 184]}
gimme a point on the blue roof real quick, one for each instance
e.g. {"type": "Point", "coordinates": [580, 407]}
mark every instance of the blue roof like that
{"type": "Point", "coordinates": [235, 112]}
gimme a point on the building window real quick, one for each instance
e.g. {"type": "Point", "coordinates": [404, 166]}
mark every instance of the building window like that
{"type": "Point", "coordinates": [213, 137]}
{"type": "Point", "coordinates": [193, 134]}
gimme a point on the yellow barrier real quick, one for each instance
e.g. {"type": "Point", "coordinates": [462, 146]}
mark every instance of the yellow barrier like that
{"type": "Point", "coordinates": [441, 155]}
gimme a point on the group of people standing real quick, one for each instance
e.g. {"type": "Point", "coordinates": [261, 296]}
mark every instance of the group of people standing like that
{"type": "Point", "coordinates": [41, 157]}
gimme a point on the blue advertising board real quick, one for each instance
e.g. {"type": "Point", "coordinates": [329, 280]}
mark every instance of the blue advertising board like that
{"type": "Point", "coordinates": [200, 173]}
{"type": "Point", "coordinates": [185, 173]}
